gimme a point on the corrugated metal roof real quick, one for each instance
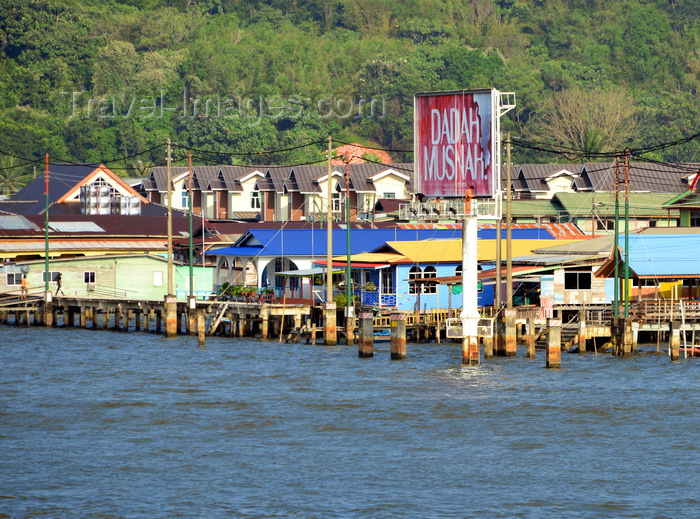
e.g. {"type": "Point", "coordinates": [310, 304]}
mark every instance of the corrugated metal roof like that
{"type": "Point", "coordinates": [10, 248]}
{"type": "Point", "coordinates": [640, 204]}
{"type": "Point", "coordinates": [84, 226]}
{"type": "Point", "coordinates": [663, 255]}
{"type": "Point", "coordinates": [11, 221]}
{"type": "Point", "coordinates": [313, 242]}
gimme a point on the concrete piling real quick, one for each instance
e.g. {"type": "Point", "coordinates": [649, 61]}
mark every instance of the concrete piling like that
{"type": "Point", "coordinates": [171, 324]}
{"type": "Point", "coordinates": [366, 336]}
{"type": "Point", "coordinates": [511, 339]}
{"type": "Point", "coordinates": [530, 338]}
{"type": "Point", "coordinates": [675, 343]}
{"type": "Point", "coordinates": [582, 332]}
{"type": "Point", "coordinates": [330, 333]}
{"type": "Point", "coordinates": [553, 354]}
{"type": "Point", "coordinates": [398, 336]}
{"type": "Point", "coordinates": [201, 326]}
{"type": "Point", "coordinates": [627, 337]}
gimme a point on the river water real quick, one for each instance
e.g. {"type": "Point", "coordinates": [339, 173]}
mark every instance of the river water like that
{"type": "Point", "coordinates": [111, 424]}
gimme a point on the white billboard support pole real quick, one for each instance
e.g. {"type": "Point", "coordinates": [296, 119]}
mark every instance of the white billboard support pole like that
{"type": "Point", "coordinates": [470, 295]}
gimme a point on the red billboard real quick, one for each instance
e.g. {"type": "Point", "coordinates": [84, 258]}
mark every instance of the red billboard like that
{"type": "Point", "coordinates": [455, 143]}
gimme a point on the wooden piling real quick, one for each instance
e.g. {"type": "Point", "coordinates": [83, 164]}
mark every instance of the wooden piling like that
{"type": "Point", "coordinates": [553, 354]}
{"type": "Point", "coordinates": [398, 336]}
{"type": "Point", "coordinates": [366, 336]}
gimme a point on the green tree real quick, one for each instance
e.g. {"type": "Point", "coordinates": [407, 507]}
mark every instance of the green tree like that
{"type": "Point", "coordinates": [586, 123]}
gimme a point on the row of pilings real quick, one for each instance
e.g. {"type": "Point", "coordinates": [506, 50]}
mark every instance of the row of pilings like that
{"type": "Point", "coordinates": [296, 321]}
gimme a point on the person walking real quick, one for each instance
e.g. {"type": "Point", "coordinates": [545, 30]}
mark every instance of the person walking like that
{"type": "Point", "coordinates": [59, 284]}
{"type": "Point", "coordinates": [25, 288]}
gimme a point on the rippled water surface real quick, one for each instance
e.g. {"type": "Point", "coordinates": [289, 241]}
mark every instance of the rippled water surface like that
{"type": "Point", "coordinates": [109, 424]}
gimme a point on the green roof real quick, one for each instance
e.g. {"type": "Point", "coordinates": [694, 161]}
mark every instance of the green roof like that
{"type": "Point", "coordinates": [687, 199]}
{"type": "Point", "coordinates": [533, 207]}
{"type": "Point", "coordinates": [640, 204]}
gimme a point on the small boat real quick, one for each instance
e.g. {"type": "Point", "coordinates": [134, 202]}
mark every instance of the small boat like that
{"type": "Point", "coordinates": [383, 335]}
{"type": "Point", "coordinates": [690, 351]}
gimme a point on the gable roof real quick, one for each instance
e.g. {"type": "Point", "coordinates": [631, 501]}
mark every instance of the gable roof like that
{"type": "Point", "coordinates": [533, 177]}
{"type": "Point", "coordinates": [65, 181]}
{"type": "Point", "coordinates": [643, 177]}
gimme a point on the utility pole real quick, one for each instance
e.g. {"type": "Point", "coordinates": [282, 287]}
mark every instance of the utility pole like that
{"type": "Point", "coordinates": [330, 318]}
{"type": "Point", "coordinates": [48, 304]}
{"type": "Point", "coordinates": [191, 298]}
{"type": "Point", "coordinates": [626, 266]}
{"type": "Point", "coordinates": [170, 299]}
{"type": "Point", "coordinates": [189, 204]}
{"type": "Point", "coordinates": [511, 343]}
{"type": "Point", "coordinates": [46, 226]}
{"type": "Point", "coordinates": [616, 254]}
{"type": "Point", "coordinates": [349, 307]}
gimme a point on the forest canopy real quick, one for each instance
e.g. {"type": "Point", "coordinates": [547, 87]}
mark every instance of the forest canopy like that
{"type": "Point", "coordinates": [238, 81]}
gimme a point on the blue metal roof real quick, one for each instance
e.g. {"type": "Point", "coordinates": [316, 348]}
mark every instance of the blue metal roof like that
{"type": "Point", "coordinates": [308, 242]}
{"type": "Point", "coordinates": [538, 233]}
{"type": "Point", "coordinates": [313, 242]}
{"type": "Point", "coordinates": [663, 255]}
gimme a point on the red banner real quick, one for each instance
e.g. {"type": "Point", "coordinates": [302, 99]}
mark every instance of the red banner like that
{"type": "Point", "coordinates": [454, 143]}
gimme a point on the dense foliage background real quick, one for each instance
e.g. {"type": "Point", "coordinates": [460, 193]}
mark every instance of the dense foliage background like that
{"type": "Point", "coordinates": [99, 80]}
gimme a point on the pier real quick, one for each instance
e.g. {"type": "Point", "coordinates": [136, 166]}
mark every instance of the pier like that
{"type": "Point", "coordinates": [673, 325]}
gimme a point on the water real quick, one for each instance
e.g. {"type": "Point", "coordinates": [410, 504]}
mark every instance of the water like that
{"type": "Point", "coordinates": [109, 424]}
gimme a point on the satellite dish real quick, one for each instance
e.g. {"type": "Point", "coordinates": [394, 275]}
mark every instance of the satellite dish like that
{"type": "Point", "coordinates": [25, 269]}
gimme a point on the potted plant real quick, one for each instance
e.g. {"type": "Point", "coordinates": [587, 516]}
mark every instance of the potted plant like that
{"type": "Point", "coordinates": [369, 286]}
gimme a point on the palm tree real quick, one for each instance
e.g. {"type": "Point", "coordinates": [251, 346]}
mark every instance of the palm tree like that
{"type": "Point", "coordinates": [12, 178]}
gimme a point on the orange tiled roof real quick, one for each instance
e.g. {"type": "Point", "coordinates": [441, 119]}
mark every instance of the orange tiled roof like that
{"type": "Point", "coordinates": [561, 231]}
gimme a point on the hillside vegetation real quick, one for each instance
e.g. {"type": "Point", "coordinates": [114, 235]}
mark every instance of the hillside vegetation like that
{"type": "Point", "coordinates": [98, 80]}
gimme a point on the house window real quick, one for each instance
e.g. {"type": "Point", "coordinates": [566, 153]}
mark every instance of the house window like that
{"type": "Point", "coordinates": [14, 278]}
{"type": "Point", "coordinates": [389, 195]}
{"type": "Point", "coordinates": [458, 270]}
{"type": "Point", "coordinates": [414, 273]}
{"type": "Point", "coordinates": [336, 202]}
{"type": "Point", "coordinates": [52, 276]}
{"type": "Point", "coordinates": [577, 281]}
{"type": "Point", "coordinates": [605, 225]}
{"type": "Point", "coordinates": [255, 200]}
{"type": "Point", "coordinates": [695, 218]}
{"type": "Point", "coordinates": [429, 288]}
{"type": "Point", "coordinates": [88, 277]}
{"type": "Point", "coordinates": [185, 198]}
